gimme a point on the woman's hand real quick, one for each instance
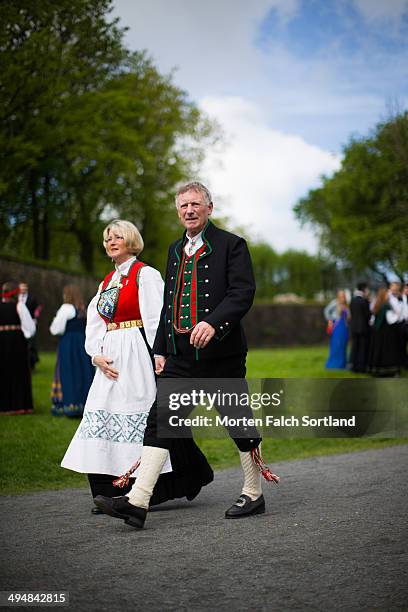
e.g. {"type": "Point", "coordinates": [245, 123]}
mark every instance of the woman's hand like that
{"type": "Point", "coordinates": [159, 362]}
{"type": "Point", "coordinates": [103, 364]}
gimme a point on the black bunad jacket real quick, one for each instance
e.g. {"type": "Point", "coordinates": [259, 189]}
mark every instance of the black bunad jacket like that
{"type": "Point", "coordinates": [224, 292]}
{"type": "Point", "coordinates": [360, 315]}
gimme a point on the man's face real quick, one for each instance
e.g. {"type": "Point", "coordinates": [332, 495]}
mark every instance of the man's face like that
{"type": "Point", "coordinates": [193, 212]}
{"type": "Point", "coordinates": [23, 288]}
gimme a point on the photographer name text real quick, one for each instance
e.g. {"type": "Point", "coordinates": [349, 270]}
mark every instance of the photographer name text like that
{"type": "Point", "coordinates": [267, 421]}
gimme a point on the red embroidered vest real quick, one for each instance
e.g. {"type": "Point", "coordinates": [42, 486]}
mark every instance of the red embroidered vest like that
{"type": "Point", "coordinates": [127, 305]}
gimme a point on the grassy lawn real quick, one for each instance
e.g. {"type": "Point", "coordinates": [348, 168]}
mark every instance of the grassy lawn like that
{"type": "Point", "coordinates": [32, 445]}
{"type": "Point", "coordinates": [300, 362]}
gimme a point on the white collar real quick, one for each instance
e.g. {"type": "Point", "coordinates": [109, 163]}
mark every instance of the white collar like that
{"type": "Point", "coordinates": [194, 238]}
{"type": "Point", "coordinates": [123, 268]}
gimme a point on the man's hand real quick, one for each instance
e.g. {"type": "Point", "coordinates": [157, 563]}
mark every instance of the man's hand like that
{"type": "Point", "coordinates": [103, 364]}
{"type": "Point", "coordinates": [159, 361]}
{"type": "Point", "coordinates": [202, 334]}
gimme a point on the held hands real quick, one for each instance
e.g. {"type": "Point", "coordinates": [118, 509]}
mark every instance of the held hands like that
{"type": "Point", "coordinates": [202, 334]}
{"type": "Point", "coordinates": [103, 364]}
{"type": "Point", "coordinates": [159, 361]}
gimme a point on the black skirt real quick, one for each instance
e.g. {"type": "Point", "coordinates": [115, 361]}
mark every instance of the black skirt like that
{"type": "Point", "coordinates": [15, 385]}
{"type": "Point", "coordinates": [385, 354]}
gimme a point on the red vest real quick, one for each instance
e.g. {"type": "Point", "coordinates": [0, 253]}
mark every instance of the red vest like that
{"type": "Point", "coordinates": [127, 307]}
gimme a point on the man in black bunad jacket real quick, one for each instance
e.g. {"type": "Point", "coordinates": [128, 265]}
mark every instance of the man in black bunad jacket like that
{"type": "Point", "coordinates": [209, 287]}
{"type": "Point", "coordinates": [360, 328]}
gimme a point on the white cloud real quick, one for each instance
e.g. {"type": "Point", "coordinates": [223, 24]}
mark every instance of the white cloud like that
{"type": "Point", "coordinates": [382, 10]}
{"type": "Point", "coordinates": [324, 98]}
{"type": "Point", "coordinates": [208, 42]}
{"type": "Point", "coordinates": [262, 172]}
{"type": "Point", "coordinates": [282, 112]}
{"type": "Point", "coordinates": [286, 9]}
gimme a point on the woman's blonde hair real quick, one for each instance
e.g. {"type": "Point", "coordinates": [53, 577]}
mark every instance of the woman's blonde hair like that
{"type": "Point", "coordinates": [133, 240]}
{"type": "Point", "coordinates": [341, 302]}
{"type": "Point", "coordinates": [72, 295]}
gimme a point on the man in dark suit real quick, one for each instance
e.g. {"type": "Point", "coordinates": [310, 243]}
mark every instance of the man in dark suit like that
{"type": "Point", "coordinates": [360, 328]}
{"type": "Point", "coordinates": [209, 287]}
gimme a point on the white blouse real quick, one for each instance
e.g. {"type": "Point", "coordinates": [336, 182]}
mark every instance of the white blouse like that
{"type": "Point", "coordinates": [27, 322]}
{"type": "Point", "coordinates": [397, 313]}
{"type": "Point", "coordinates": [151, 288]}
{"type": "Point", "coordinates": [64, 314]}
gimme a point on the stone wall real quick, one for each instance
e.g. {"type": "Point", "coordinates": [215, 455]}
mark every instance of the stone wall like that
{"type": "Point", "coordinates": [285, 325]}
{"type": "Point", "coordinates": [45, 284]}
{"type": "Point", "coordinates": [265, 325]}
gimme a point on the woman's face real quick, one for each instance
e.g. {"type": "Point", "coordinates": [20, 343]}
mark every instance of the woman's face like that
{"type": "Point", "coordinates": [341, 296]}
{"type": "Point", "coordinates": [115, 247]}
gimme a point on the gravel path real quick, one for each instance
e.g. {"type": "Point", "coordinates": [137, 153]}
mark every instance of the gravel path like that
{"type": "Point", "coordinates": [334, 537]}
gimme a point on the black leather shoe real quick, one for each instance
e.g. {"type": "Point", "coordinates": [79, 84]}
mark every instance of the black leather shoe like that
{"type": "Point", "coordinates": [244, 506]}
{"type": "Point", "coordinates": [96, 510]}
{"type": "Point", "coordinates": [119, 507]}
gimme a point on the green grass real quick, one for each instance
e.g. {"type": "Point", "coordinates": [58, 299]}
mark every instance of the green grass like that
{"type": "Point", "coordinates": [32, 446]}
{"type": "Point", "coordinates": [299, 362]}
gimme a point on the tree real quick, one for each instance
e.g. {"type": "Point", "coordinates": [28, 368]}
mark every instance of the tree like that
{"type": "Point", "coordinates": [51, 52]}
{"type": "Point", "coordinates": [290, 272]}
{"type": "Point", "coordinates": [266, 269]}
{"type": "Point", "coordinates": [361, 212]}
{"type": "Point", "coordinates": [89, 131]}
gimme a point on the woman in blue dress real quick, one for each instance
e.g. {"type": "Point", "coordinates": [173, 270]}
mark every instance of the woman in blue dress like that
{"type": "Point", "coordinates": [74, 371]}
{"type": "Point", "coordinates": [339, 335]}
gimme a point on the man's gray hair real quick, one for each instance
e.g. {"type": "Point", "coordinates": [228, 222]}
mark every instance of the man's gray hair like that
{"type": "Point", "coordinates": [195, 186]}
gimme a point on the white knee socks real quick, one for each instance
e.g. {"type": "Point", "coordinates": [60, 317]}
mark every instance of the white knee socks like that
{"type": "Point", "coordinates": [151, 464]}
{"type": "Point", "coordinates": [252, 477]}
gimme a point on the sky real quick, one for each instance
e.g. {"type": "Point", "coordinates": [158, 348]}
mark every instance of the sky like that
{"type": "Point", "coordinates": [289, 82]}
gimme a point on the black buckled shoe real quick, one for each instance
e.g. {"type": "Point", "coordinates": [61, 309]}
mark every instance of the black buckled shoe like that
{"type": "Point", "coordinates": [96, 510]}
{"type": "Point", "coordinates": [244, 506]}
{"type": "Point", "coordinates": [119, 507]}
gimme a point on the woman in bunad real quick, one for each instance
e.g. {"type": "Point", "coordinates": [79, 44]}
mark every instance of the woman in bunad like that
{"type": "Point", "coordinates": [74, 371]}
{"type": "Point", "coordinates": [16, 326]}
{"type": "Point", "coordinates": [339, 334]}
{"type": "Point", "coordinates": [385, 356]}
{"type": "Point", "coordinates": [122, 320]}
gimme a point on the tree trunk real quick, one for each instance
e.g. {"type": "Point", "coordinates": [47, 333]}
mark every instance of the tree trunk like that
{"type": "Point", "coordinates": [35, 215]}
{"type": "Point", "coordinates": [45, 220]}
{"type": "Point", "coordinates": [86, 251]}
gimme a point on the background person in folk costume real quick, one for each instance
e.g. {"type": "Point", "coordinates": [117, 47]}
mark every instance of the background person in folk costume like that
{"type": "Point", "coordinates": [385, 347]}
{"type": "Point", "coordinates": [339, 334]}
{"type": "Point", "coordinates": [16, 326]}
{"type": "Point", "coordinates": [396, 301]}
{"type": "Point", "coordinates": [34, 309]}
{"type": "Point", "coordinates": [74, 371]}
{"type": "Point", "coordinates": [360, 328]}
{"type": "Point", "coordinates": [405, 326]}
{"type": "Point", "coordinates": [209, 288]}
{"type": "Point", "coordinates": [121, 325]}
